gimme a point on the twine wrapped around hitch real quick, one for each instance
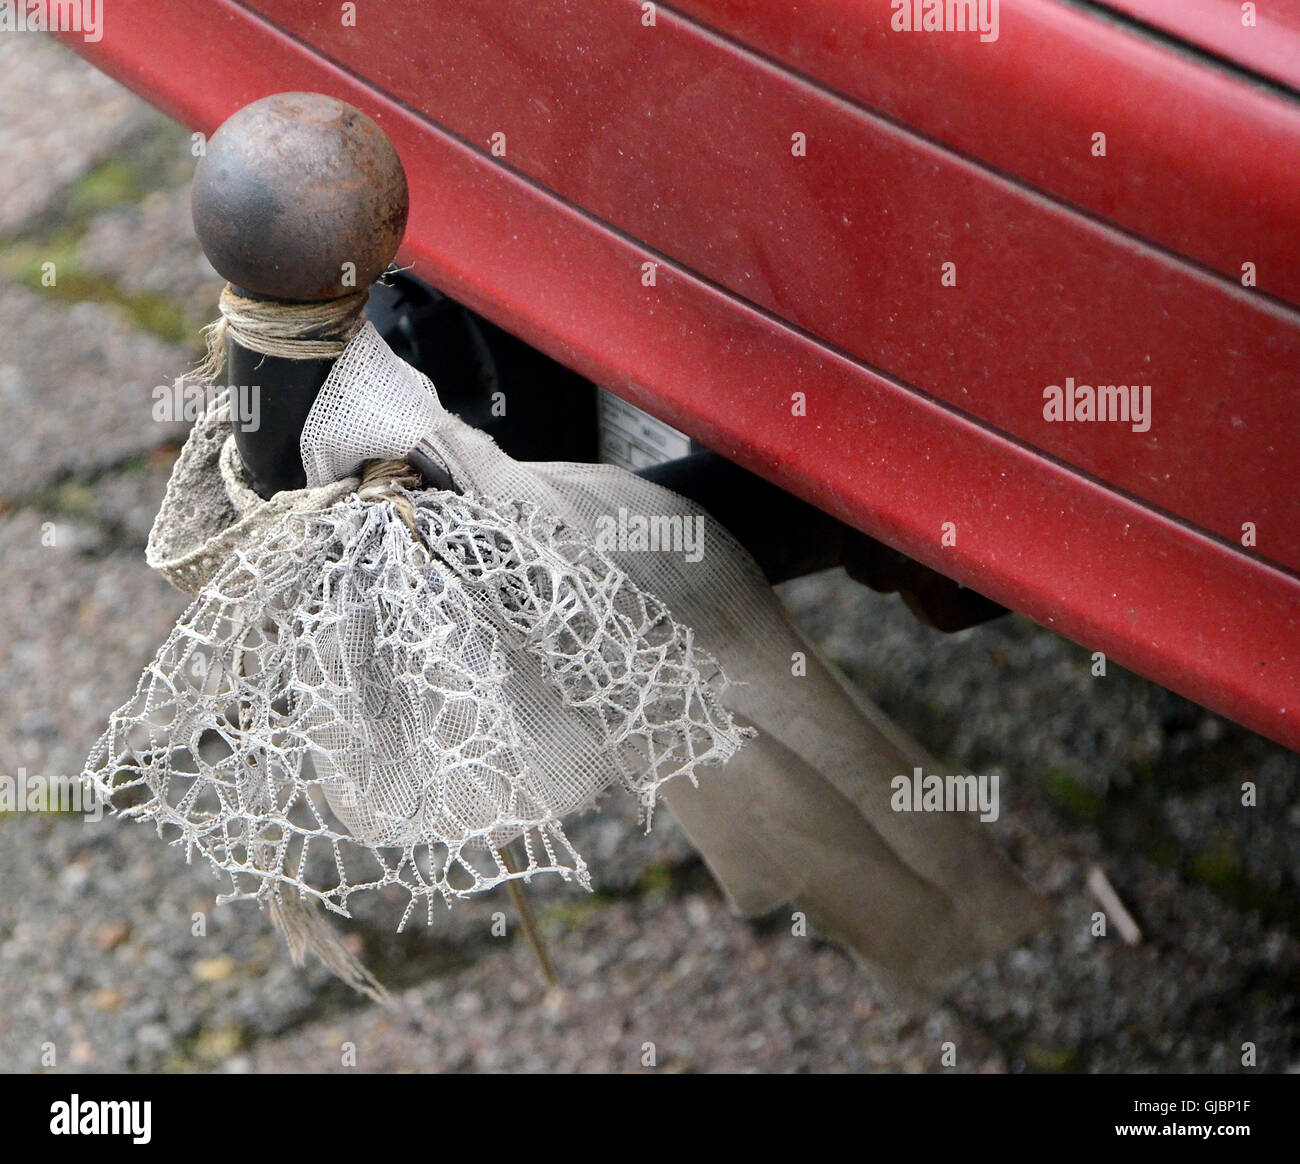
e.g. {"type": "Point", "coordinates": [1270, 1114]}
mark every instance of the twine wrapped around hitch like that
{"type": "Point", "coordinates": [292, 331]}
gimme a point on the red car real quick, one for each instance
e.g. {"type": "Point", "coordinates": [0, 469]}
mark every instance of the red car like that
{"type": "Point", "coordinates": [1012, 287]}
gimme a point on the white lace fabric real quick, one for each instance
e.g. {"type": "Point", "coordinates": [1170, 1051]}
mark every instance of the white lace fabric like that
{"type": "Point", "coordinates": [343, 708]}
{"type": "Point", "coordinates": [407, 706]}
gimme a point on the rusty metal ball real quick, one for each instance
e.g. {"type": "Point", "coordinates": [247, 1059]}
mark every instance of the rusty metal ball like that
{"type": "Point", "coordinates": [294, 187]}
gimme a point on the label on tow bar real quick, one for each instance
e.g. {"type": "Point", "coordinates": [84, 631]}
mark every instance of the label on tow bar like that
{"type": "Point", "coordinates": [633, 439]}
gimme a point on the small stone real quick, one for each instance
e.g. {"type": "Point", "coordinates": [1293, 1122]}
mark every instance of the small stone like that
{"type": "Point", "coordinates": [111, 935]}
{"type": "Point", "coordinates": [153, 1037]}
{"type": "Point", "coordinates": [218, 1043]}
{"type": "Point", "coordinates": [214, 969]}
{"type": "Point", "coordinates": [109, 998]}
{"type": "Point", "coordinates": [698, 913]}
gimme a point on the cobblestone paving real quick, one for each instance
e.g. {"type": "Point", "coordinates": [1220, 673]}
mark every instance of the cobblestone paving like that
{"type": "Point", "coordinates": [114, 957]}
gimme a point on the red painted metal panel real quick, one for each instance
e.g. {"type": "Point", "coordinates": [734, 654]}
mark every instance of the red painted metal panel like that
{"type": "Point", "coordinates": [1154, 594]}
{"type": "Point", "coordinates": [683, 142]}
{"type": "Point", "coordinates": [1269, 46]}
{"type": "Point", "coordinates": [1199, 161]}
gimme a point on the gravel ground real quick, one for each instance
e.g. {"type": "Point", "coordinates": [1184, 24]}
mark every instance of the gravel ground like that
{"type": "Point", "coordinates": [114, 957]}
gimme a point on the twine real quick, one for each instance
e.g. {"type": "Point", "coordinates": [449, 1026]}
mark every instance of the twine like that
{"type": "Point", "coordinates": [292, 331]}
{"type": "Point", "coordinates": [378, 481]}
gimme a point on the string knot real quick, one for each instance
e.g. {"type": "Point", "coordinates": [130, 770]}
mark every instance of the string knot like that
{"type": "Point", "coordinates": [292, 331]}
{"type": "Point", "coordinates": [379, 481]}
